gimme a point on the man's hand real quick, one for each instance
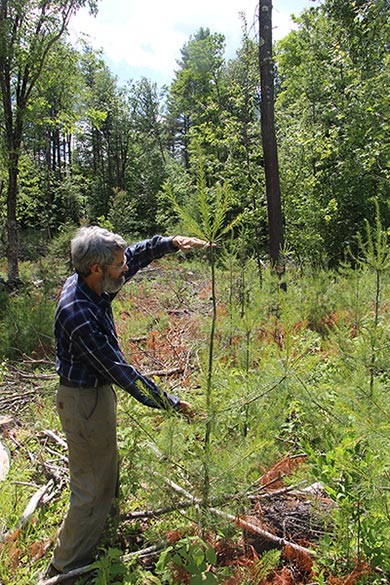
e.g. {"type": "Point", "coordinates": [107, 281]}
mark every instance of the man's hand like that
{"type": "Point", "coordinates": [183, 243]}
{"type": "Point", "coordinates": [185, 409]}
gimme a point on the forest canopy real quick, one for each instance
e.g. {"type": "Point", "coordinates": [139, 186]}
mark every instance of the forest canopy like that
{"type": "Point", "coordinates": [94, 151]}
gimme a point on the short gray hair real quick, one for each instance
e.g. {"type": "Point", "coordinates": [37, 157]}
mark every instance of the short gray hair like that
{"type": "Point", "coordinates": [94, 245]}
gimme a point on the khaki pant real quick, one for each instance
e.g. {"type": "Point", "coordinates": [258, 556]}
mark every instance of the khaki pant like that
{"type": "Point", "coordinates": [88, 418]}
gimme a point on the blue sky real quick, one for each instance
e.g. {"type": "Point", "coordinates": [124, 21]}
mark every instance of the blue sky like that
{"type": "Point", "coordinates": [144, 38]}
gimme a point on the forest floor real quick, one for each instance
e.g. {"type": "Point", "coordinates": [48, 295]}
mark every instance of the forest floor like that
{"type": "Point", "coordinates": [272, 541]}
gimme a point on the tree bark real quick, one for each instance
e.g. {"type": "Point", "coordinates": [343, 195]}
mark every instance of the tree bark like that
{"type": "Point", "coordinates": [271, 167]}
{"type": "Point", "coordinates": [12, 224]}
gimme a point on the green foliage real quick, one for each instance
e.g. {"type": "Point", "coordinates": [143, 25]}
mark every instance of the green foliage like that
{"type": "Point", "coordinates": [94, 149]}
{"type": "Point", "coordinates": [191, 554]}
{"type": "Point", "coordinates": [26, 322]}
{"type": "Point", "coordinates": [269, 373]}
{"type": "Point", "coordinates": [332, 146]}
{"type": "Point", "coordinates": [350, 473]}
{"type": "Point", "coordinates": [195, 101]}
{"type": "Point", "coordinates": [374, 248]}
{"type": "Point", "coordinates": [268, 561]}
{"type": "Point", "coordinates": [69, 202]}
{"type": "Point", "coordinates": [278, 388]}
{"type": "Point", "coordinates": [207, 216]}
{"type": "Point", "coordinates": [178, 181]}
{"type": "Point", "coordinates": [31, 205]}
{"type": "Point", "coordinates": [123, 216]}
{"type": "Point", "coordinates": [110, 568]}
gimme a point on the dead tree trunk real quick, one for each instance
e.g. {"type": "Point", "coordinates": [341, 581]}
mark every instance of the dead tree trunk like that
{"type": "Point", "coordinates": [271, 168]}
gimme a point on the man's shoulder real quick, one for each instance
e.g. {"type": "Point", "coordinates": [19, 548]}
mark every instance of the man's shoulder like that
{"type": "Point", "coordinates": [73, 299]}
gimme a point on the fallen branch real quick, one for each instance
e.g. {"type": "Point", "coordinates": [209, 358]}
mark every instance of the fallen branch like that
{"type": "Point", "coordinates": [57, 454]}
{"type": "Point", "coordinates": [156, 513]}
{"type": "Point", "coordinates": [183, 505]}
{"type": "Point", "coordinates": [34, 502]}
{"type": "Point", "coordinates": [36, 376]}
{"type": "Point", "coordinates": [30, 360]}
{"type": "Point", "coordinates": [63, 577]}
{"type": "Point", "coordinates": [32, 505]}
{"type": "Point", "coordinates": [165, 372]}
{"type": "Point", "coordinates": [137, 339]}
{"type": "Point", "coordinates": [52, 435]}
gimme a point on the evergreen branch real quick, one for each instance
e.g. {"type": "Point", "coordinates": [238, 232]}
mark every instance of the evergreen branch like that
{"type": "Point", "coordinates": [318, 404]}
{"type": "Point", "coordinates": [156, 450]}
{"type": "Point", "coordinates": [240, 404]}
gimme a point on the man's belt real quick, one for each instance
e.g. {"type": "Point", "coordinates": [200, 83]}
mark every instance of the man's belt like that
{"type": "Point", "coordinates": [69, 384]}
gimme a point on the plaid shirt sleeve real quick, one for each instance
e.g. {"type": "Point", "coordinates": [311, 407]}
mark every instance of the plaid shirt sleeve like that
{"type": "Point", "coordinates": [143, 253]}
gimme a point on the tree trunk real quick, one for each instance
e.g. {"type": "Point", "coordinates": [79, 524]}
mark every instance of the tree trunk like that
{"type": "Point", "coordinates": [271, 168]}
{"type": "Point", "coordinates": [12, 224]}
{"type": "Point", "coordinates": [13, 144]}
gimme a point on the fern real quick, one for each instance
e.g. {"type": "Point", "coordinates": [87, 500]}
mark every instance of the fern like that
{"type": "Point", "coordinates": [267, 563]}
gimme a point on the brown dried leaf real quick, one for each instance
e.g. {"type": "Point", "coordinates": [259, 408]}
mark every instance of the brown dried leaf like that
{"type": "Point", "coordinates": [38, 549]}
{"type": "Point", "coordinates": [281, 468]}
{"type": "Point", "coordinates": [301, 561]}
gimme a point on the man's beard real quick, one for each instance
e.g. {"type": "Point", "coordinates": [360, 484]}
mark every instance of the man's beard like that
{"type": "Point", "coordinates": [111, 285]}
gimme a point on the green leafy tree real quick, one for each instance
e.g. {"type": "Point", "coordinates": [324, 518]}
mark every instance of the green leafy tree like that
{"type": "Point", "coordinates": [242, 133]}
{"type": "Point", "coordinates": [50, 131]}
{"type": "Point", "coordinates": [196, 99]}
{"type": "Point", "coordinates": [146, 171]}
{"type": "Point", "coordinates": [98, 143]}
{"type": "Point", "coordinates": [331, 89]}
{"type": "Point", "coordinates": [28, 32]}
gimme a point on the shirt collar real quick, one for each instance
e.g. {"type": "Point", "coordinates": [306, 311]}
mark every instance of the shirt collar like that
{"type": "Point", "coordinates": [101, 300]}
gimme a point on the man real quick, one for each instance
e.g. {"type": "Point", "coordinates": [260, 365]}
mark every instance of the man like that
{"type": "Point", "coordinates": [89, 361]}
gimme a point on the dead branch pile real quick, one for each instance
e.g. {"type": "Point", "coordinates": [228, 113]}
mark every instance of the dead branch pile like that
{"type": "Point", "coordinates": [23, 384]}
{"type": "Point", "coordinates": [295, 515]}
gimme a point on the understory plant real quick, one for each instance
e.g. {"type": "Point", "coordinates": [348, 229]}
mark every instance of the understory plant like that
{"type": "Point", "coordinates": [355, 466]}
{"type": "Point", "coordinates": [208, 219]}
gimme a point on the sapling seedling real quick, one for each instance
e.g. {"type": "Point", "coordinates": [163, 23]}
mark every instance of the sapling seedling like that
{"type": "Point", "coordinates": [208, 220]}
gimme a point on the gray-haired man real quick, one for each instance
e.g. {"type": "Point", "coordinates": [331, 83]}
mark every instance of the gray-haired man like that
{"type": "Point", "coordinates": [89, 361]}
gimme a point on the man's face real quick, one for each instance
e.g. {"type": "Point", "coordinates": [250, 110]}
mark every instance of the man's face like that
{"type": "Point", "coordinates": [113, 274]}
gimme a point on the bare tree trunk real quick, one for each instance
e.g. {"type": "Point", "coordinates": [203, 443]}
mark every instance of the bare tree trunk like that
{"type": "Point", "coordinates": [12, 224]}
{"type": "Point", "coordinates": [271, 167]}
{"type": "Point", "coordinates": [13, 145]}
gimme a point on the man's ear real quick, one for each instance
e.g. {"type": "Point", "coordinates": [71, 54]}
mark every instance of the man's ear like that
{"type": "Point", "coordinates": [96, 269]}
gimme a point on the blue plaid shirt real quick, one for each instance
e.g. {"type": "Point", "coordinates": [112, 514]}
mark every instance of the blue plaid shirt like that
{"type": "Point", "coordinates": [87, 349]}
